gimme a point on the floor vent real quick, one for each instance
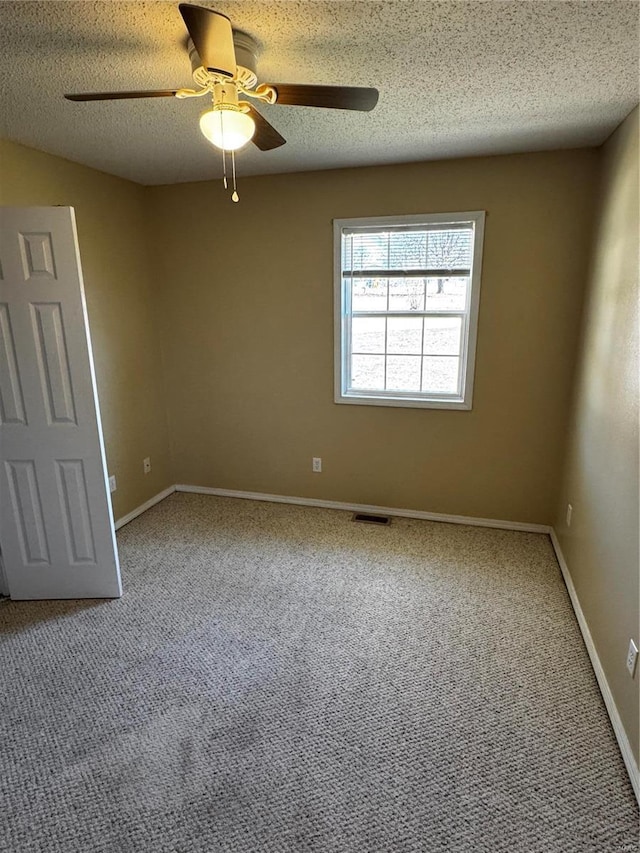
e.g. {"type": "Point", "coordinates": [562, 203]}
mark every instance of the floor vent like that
{"type": "Point", "coordinates": [370, 519]}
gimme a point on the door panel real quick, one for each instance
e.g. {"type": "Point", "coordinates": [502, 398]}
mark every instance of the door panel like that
{"type": "Point", "coordinates": [56, 524]}
{"type": "Point", "coordinates": [72, 485]}
{"type": "Point", "coordinates": [11, 400]}
{"type": "Point", "coordinates": [27, 511]}
{"type": "Point", "coordinates": [37, 255]}
{"type": "Point", "coordinates": [51, 351]}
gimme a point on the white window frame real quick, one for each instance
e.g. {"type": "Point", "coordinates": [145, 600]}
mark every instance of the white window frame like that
{"type": "Point", "coordinates": [342, 316]}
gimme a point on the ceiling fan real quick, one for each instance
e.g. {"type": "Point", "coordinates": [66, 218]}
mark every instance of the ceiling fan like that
{"type": "Point", "coordinates": [223, 64]}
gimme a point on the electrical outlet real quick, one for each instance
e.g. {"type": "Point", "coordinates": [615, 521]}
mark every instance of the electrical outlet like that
{"type": "Point", "coordinates": [632, 658]}
{"type": "Point", "coordinates": [146, 464]}
{"type": "Point", "coordinates": [569, 514]}
{"type": "Point", "coordinates": [112, 483]}
{"type": "Point", "coordinates": [316, 465]}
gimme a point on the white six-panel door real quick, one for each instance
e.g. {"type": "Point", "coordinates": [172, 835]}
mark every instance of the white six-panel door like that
{"type": "Point", "coordinates": [56, 526]}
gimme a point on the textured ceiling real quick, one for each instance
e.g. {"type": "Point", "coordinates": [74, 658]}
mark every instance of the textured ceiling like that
{"type": "Point", "coordinates": [455, 79]}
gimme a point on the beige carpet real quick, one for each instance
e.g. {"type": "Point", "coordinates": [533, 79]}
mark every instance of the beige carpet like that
{"type": "Point", "coordinates": [282, 679]}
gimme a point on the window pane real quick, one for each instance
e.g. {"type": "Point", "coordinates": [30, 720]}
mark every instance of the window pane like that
{"type": "Point", "coordinates": [440, 375]}
{"type": "Point", "coordinates": [407, 250]}
{"type": "Point", "coordinates": [366, 251]}
{"type": "Point", "coordinates": [450, 248]}
{"type": "Point", "coordinates": [403, 373]}
{"type": "Point", "coordinates": [369, 294]}
{"type": "Point", "coordinates": [367, 334]}
{"type": "Point", "coordinates": [404, 334]}
{"type": "Point", "coordinates": [406, 294]}
{"type": "Point", "coordinates": [367, 372]}
{"type": "Point", "coordinates": [447, 294]}
{"type": "Point", "coordinates": [442, 335]}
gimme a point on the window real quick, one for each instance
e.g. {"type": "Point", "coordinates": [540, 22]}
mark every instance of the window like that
{"type": "Point", "coordinates": [407, 290]}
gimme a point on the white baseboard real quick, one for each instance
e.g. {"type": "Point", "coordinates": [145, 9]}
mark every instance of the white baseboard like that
{"type": "Point", "coordinates": [144, 507]}
{"type": "Point", "coordinates": [381, 510]}
{"type": "Point", "coordinates": [612, 710]}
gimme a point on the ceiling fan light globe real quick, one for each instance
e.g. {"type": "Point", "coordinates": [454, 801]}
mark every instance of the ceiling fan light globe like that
{"type": "Point", "coordinates": [229, 129]}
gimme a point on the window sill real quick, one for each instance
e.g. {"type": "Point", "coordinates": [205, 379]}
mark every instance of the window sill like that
{"type": "Point", "coordinates": [456, 403]}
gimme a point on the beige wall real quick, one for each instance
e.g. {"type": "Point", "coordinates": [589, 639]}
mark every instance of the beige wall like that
{"type": "Point", "coordinates": [240, 299]}
{"type": "Point", "coordinates": [601, 476]}
{"type": "Point", "coordinates": [248, 335]}
{"type": "Point", "coordinates": [119, 289]}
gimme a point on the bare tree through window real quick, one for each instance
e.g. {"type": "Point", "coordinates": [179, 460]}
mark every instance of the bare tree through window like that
{"type": "Point", "coordinates": [450, 251]}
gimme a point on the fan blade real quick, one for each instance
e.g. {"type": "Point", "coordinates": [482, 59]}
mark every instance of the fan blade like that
{"type": "Point", "coordinates": [332, 97]}
{"type": "Point", "coordinates": [120, 96]}
{"type": "Point", "coordinates": [266, 136]}
{"type": "Point", "coordinates": [212, 36]}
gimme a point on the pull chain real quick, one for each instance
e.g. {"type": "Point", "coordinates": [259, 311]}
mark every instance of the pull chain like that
{"type": "Point", "coordinates": [224, 155]}
{"type": "Point", "coordinates": [234, 194]}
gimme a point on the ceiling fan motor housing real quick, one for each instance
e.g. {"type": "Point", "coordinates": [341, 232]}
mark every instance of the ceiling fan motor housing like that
{"type": "Point", "coordinates": [247, 50]}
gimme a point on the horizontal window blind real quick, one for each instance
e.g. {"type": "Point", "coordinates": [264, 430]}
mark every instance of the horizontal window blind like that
{"type": "Point", "coordinates": [418, 252]}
